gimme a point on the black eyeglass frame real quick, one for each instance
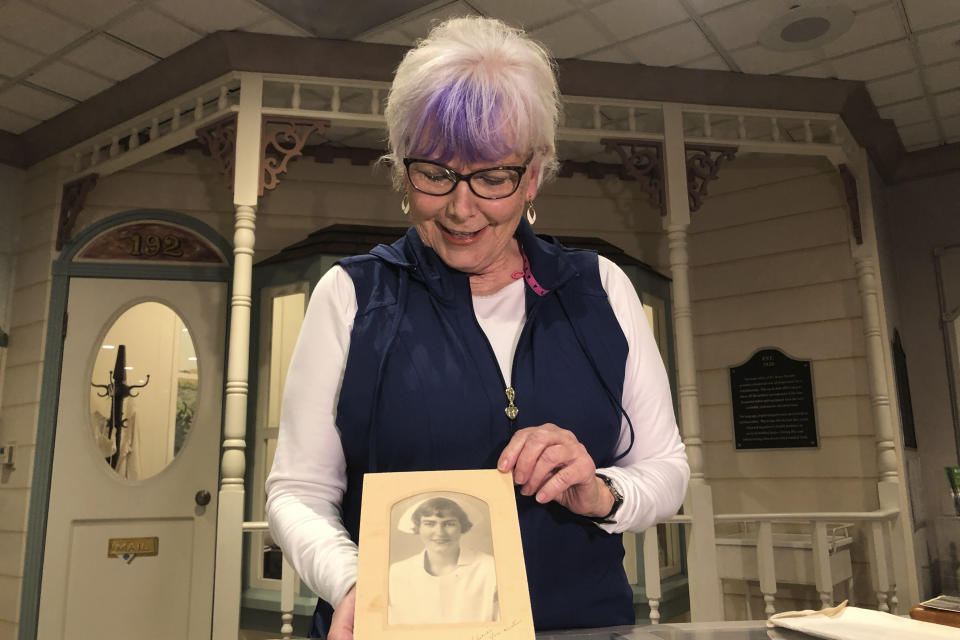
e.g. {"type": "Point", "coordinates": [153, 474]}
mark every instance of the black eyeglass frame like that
{"type": "Point", "coordinates": [458, 177]}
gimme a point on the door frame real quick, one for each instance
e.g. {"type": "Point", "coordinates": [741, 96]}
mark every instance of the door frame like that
{"type": "Point", "coordinates": [62, 270]}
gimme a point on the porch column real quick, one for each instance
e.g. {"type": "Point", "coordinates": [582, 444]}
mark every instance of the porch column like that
{"type": "Point", "coordinates": [706, 601]}
{"type": "Point", "coordinates": [891, 490]}
{"type": "Point", "coordinates": [227, 579]}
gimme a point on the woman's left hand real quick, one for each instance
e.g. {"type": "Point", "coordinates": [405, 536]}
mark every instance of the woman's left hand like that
{"type": "Point", "coordinates": [552, 464]}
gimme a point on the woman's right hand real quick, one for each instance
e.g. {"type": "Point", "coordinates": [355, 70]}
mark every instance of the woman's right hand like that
{"type": "Point", "coordinates": [341, 625]}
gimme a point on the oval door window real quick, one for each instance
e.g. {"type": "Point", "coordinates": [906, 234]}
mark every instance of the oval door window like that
{"type": "Point", "coordinates": [143, 391]}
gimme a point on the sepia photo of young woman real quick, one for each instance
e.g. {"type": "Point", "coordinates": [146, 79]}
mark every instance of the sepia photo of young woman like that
{"type": "Point", "coordinates": [451, 577]}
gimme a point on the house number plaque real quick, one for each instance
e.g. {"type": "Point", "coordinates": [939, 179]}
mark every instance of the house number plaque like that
{"type": "Point", "coordinates": [151, 242]}
{"type": "Point", "coordinates": [126, 547]}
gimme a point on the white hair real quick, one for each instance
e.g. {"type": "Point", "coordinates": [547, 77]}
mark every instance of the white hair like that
{"type": "Point", "coordinates": [475, 89]}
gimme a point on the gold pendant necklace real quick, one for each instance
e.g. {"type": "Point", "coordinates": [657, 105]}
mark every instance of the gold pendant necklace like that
{"type": "Point", "coordinates": [511, 409]}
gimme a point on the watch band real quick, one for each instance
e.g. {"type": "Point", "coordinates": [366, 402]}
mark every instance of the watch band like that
{"type": "Point", "coordinates": [617, 501]}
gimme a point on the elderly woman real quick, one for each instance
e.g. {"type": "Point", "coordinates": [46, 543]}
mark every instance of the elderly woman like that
{"type": "Point", "coordinates": [447, 582]}
{"type": "Point", "coordinates": [473, 343]}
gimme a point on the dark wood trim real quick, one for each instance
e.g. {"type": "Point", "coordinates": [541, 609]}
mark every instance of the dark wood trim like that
{"type": "Point", "coordinates": [72, 200]}
{"type": "Point", "coordinates": [853, 201]}
{"type": "Point", "coordinates": [224, 51]}
{"type": "Point", "coordinates": [11, 150]}
{"type": "Point", "coordinates": [929, 162]}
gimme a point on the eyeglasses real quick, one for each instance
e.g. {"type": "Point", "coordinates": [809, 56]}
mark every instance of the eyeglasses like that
{"type": "Point", "coordinates": [437, 180]}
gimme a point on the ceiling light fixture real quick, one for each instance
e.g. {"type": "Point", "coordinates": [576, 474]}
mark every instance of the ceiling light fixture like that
{"type": "Point", "coordinates": [807, 26]}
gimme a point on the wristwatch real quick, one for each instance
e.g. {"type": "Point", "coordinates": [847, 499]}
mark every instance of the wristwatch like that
{"type": "Point", "coordinates": [617, 501]}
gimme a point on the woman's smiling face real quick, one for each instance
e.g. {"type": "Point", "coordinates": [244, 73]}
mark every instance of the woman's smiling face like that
{"type": "Point", "coordinates": [470, 233]}
{"type": "Point", "coordinates": [440, 532]}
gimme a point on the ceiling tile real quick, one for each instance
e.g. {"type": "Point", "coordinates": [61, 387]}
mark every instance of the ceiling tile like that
{"type": "Point", "coordinates": [109, 57]}
{"type": "Point", "coordinates": [36, 28]}
{"type": "Point", "coordinates": [740, 25]}
{"type": "Point", "coordinates": [671, 46]}
{"type": "Point", "coordinates": [610, 54]}
{"type": "Point", "coordinates": [93, 13]}
{"type": "Point", "coordinates": [896, 89]}
{"type": "Point", "coordinates": [943, 76]}
{"type": "Point", "coordinates": [869, 28]}
{"type": "Point", "coordinates": [758, 59]}
{"type": "Point", "coordinates": [822, 69]}
{"type": "Point", "coordinates": [628, 18]}
{"type": "Point", "coordinates": [14, 59]}
{"type": "Point", "coordinates": [277, 27]}
{"type": "Point", "coordinates": [924, 14]}
{"type": "Point", "coordinates": [69, 80]}
{"type": "Point", "coordinates": [154, 32]}
{"type": "Point", "coordinates": [421, 25]}
{"type": "Point", "coordinates": [570, 36]}
{"type": "Point", "coordinates": [15, 122]}
{"type": "Point", "coordinates": [907, 113]}
{"type": "Point", "coordinates": [40, 104]}
{"type": "Point", "coordinates": [388, 36]}
{"type": "Point", "coordinates": [948, 104]}
{"type": "Point", "coordinates": [212, 15]}
{"type": "Point", "coordinates": [860, 5]}
{"type": "Point", "coordinates": [951, 126]}
{"type": "Point", "coordinates": [524, 14]}
{"type": "Point", "coordinates": [939, 45]}
{"type": "Point", "coordinates": [919, 134]}
{"type": "Point", "coordinates": [713, 62]}
{"type": "Point", "coordinates": [877, 62]}
{"type": "Point", "coordinates": [705, 6]}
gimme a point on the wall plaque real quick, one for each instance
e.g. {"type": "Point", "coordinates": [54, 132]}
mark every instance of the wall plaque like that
{"type": "Point", "coordinates": [773, 402]}
{"type": "Point", "coordinates": [118, 547]}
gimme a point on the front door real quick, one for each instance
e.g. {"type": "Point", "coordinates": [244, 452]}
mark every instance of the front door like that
{"type": "Point", "coordinates": [131, 525]}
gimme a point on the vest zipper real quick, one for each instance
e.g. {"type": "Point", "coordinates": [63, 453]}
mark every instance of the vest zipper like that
{"type": "Point", "coordinates": [511, 410]}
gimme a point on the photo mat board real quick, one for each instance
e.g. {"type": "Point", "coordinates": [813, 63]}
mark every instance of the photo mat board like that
{"type": "Point", "coordinates": [490, 550]}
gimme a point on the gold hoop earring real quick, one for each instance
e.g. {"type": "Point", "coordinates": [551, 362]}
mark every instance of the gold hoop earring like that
{"type": "Point", "coordinates": [405, 203]}
{"type": "Point", "coordinates": [531, 212]}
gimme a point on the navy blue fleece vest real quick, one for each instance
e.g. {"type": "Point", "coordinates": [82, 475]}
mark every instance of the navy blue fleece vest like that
{"type": "Point", "coordinates": [422, 391]}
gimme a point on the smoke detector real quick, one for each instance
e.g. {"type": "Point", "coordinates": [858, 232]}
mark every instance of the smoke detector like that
{"type": "Point", "coordinates": [807, 26]}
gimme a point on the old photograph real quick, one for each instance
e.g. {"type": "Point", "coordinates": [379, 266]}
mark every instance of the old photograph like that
{"type": "Point", "coordinates": [451, 575]}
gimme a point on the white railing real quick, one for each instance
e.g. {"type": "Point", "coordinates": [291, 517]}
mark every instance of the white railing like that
{"type": "Point", "coordinates": [342, 102]}
{"type": "Point", "coordinates": [162, 128]}
{"type": "Point", "coordinates": [825, 546]}
{"type": "Point", "coordinates": [358, 104]}
{"type": "Point", "coordinates": [287, 585]}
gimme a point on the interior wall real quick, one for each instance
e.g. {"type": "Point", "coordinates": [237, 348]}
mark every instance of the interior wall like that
{"type": "Point", "coordinates": [921, 216]}
{"type": "Point", "coordinates": [771, 267]}
{"type": "Point", "coordinates": [19, 403]}
{"type": "Point", "coordinates": [11, 528]}
{"type": "Point", "coordinates": [11, 205]}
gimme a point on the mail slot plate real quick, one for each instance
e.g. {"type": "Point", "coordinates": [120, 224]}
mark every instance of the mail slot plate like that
{"type": "Point", "coordinates": [118, 547]}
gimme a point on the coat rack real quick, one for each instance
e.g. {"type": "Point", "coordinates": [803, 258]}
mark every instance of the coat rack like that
{"type": "Point", "coordinates": [118, 390]}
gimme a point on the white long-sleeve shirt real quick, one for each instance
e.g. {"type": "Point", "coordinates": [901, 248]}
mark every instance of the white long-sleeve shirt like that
{"type": "Point", "coordinates": [308, 479]}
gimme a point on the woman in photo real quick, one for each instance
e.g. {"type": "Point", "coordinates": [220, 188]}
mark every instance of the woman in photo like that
{"type": "Point", "coordinates": [448, 581]}
{"type": "Point", "coordinates": [472, 342]}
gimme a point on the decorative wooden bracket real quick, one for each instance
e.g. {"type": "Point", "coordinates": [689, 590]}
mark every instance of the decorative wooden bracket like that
{"type": "Point", "coordinates": [703, 164]}
{"type": "Point", "coordinates": [281, 140]}
{"type": "Point", "coordinates": [73, 198]}
{"type": "Point", "coordinates": [219, 139]}
{"type": "Point", "coordinates": [853, 201]}
{"type": "Point", "coordinates": [643, 160]}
